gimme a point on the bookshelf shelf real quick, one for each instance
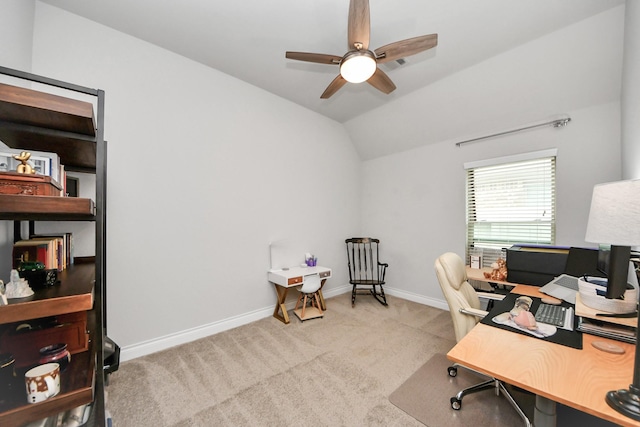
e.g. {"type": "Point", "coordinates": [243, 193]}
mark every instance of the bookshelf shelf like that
{"type": "Point", "coordinates": [23, 207]}
{"type": "Point", "coordinates": [74, 293]}
{"type": "Point", "coordinates": [34, 120]}
{"type": "Point", "coordinates": [77, 388]}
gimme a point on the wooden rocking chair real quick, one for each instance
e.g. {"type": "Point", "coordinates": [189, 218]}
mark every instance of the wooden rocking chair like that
{"type": "Point", "coordinates": [366, 272]}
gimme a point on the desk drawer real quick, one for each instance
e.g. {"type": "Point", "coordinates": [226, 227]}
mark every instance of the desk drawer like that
{"type": "Point", "coordinates": [325, 274]}
{"type": "Point", "coordinates": [294, 280]}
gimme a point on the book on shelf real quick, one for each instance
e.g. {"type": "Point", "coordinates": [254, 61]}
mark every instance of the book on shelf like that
{"type": "Point", "coordinates": [33, 251]}
{"type": "Point", "coordinates": [67, 245]}
{"type": "Point", "coordinates": [50, 251]}
{"type": "Point", "coordinates": [607, 330]}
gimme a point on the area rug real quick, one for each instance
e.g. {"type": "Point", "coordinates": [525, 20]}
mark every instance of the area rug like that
{"type": "Point", "coordinates": [425, 396]}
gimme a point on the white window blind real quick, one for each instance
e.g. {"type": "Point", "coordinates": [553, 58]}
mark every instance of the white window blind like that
{"type": "Point", "coordinates": [510, 203]}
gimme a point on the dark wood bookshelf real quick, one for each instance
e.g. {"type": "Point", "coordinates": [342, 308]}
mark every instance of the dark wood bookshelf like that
{"type": "Point", "coordinates": [24, 208]}
{"type": "Point", "coordinates": [40, 121]}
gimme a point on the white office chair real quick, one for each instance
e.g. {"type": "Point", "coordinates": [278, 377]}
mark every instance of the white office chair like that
{"type": "Point", "coordinates": [464, 306]}
{"type": "Point", "coordinates": [309, 293]}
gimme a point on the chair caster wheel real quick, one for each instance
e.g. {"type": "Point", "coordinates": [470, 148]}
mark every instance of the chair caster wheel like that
{"type": "Point", "coordinates": [453, 371]}
{"type": "Point", "coordinates": [456, 403]}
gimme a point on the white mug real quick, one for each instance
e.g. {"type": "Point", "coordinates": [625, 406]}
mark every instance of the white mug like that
{"type": "Point", "coordinates": [42, 382]}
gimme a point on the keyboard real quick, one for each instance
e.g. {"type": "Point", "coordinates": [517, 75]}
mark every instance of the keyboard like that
{"type": "Point", "coordinates": [551, 314]}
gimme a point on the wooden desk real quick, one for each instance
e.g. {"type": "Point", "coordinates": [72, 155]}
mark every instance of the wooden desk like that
{"type": "Point", "coordinates": [581, 309]}
{"type": "Point", "coordinates": [293, 277]}
{"type": "Point", "coordinates": [478, 274]}
{"type": "Point", "coordinates": [576, 378]}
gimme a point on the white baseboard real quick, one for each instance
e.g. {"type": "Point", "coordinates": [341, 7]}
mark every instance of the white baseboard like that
{"type": "Point", "coordinates": [420, 299]}
{"type": "Point", "coordinates": [162, 343]}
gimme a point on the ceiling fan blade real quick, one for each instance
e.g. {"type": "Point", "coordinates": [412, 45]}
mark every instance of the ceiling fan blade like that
{"type": "Point", "coordinates": [359, 24]}
{"type": "Point", "coordinates": [314, 57]}
{"type": "Point", "coordinates": [333, 87]}
{"type": "Point", "coordinates": [405, 48]}
{"type": "Point", "coordinates": [381, 81]}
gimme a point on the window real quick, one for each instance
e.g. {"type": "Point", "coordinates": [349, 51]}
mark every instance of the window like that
{"type": "Point", "coordinates": [510, 201]}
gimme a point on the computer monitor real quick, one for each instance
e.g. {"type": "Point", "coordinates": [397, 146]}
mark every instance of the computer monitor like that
{"type": "Point", "coordinates": [613, 261]}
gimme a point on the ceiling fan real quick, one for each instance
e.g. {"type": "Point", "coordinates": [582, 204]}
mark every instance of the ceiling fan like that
{"type": "Point", "coordinates": [360, 64]}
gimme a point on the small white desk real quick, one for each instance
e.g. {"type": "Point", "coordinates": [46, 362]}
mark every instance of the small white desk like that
{"type": "Point", "coordinates": [294, 276]}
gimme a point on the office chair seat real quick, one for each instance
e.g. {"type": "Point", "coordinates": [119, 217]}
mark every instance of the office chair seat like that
{"type": "Point", "coordinates": [465, 308]}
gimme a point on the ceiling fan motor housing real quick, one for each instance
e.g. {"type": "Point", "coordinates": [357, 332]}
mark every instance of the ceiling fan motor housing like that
{"type": "Point", "coordinates": [357, 66]}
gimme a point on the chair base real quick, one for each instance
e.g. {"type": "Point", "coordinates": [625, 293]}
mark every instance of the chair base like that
{"type": "Point", "coordinates": [379, 295]}
{"type": "Point", "coordinates": [308, 312]}
{"type": "Point", "coordinates": [491, 383]}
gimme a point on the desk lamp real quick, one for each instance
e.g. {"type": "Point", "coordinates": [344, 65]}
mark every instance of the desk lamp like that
{"type": "Point", "coordinates": [614, 219]}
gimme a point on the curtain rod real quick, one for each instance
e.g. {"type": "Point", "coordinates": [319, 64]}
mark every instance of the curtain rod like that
{"type": "Point", "coordinates": [555, 123]}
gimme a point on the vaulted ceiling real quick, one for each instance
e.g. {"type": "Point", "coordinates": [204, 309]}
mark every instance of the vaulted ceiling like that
{"type": "Point", "coordinates": [248, 39]}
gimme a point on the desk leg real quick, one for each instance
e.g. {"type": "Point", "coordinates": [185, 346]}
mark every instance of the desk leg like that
{"type": "Point", "coordinates": [322, 304]}
{"type": "Point", "coordinates": [544, 413]}
{"type": "Point", "coordinates": [280, 306]}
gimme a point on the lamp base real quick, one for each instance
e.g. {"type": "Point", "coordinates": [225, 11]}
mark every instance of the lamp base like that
{"type": "Point", "coordinates": [627, 402]}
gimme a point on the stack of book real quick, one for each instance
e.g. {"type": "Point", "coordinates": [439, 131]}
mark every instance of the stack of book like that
{"type": "Point", "coordinates": [606, 329]}
{"type": "Point", "coordinates": [54, 251]}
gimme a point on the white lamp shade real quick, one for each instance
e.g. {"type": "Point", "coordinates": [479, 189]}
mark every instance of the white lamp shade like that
{"type": "Point", "coordinates": [358, 66]}
{"type": "Point", "coordinates": [614, 217]}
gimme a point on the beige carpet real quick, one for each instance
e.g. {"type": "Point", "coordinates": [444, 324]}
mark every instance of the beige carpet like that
{"type": "Point", "coordinates": [335, 371]}
{"type": "Point", "coordinates": [425, 396]}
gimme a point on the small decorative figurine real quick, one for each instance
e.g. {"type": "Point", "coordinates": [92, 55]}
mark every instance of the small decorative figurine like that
{"type": "Point", "coordinates": [499, 271]}
{"type": "Point", "coordinates": [17, 287]}
{"type": "Point", "coordinates": [24, 166]}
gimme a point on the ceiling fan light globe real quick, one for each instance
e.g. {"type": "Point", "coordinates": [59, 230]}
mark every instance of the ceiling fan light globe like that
{"type": "Point", "coordinates": [358, 66]}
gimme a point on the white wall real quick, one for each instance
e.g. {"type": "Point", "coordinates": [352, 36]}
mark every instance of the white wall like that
{"type": "Point", "coordinates": [415, 201]}
{"type": "Point", "coordinates": [203, 172]}
{"type": "Point", "coordinates": [631, 93]}
{"type": "Point", "coordinates": [16, 33]}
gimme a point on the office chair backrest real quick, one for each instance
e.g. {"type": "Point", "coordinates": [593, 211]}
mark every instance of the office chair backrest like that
{"type": "Point", "coordinates": [452, 276]}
